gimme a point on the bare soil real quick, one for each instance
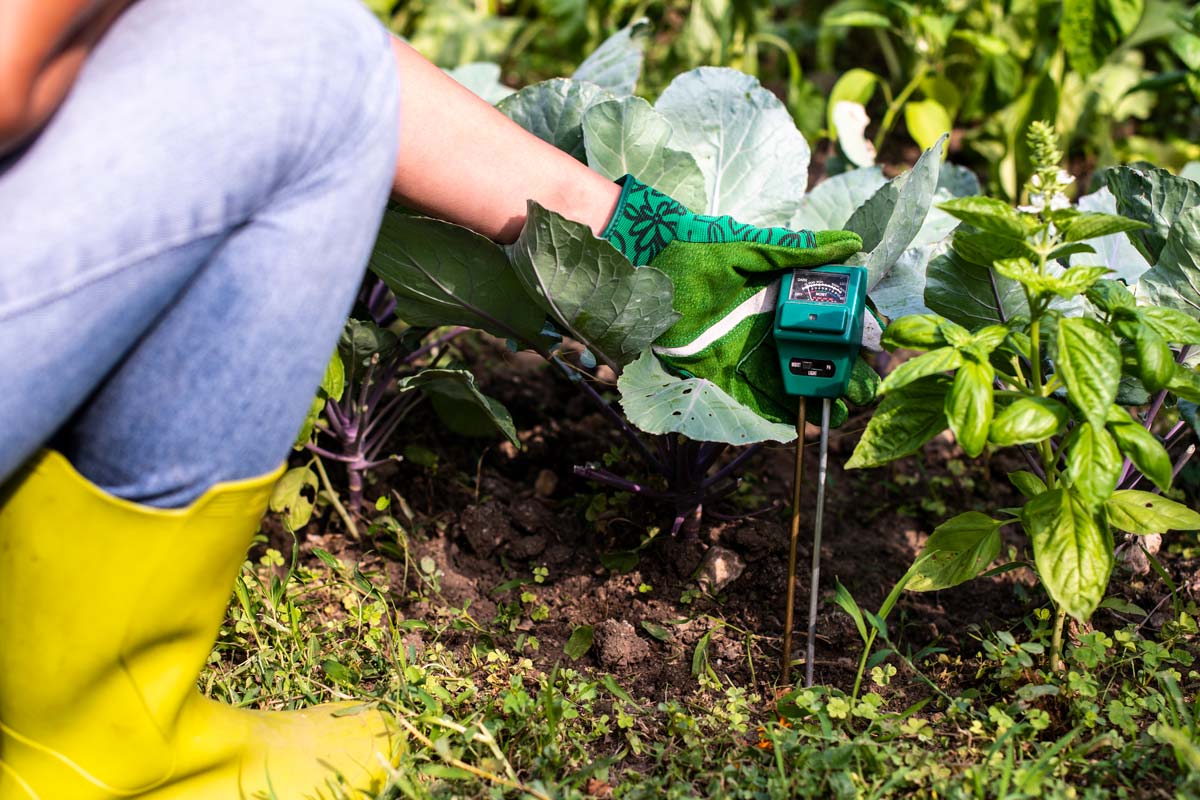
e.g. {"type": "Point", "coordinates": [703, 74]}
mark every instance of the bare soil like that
{"type": "Point", "coordinates": [487, 513]}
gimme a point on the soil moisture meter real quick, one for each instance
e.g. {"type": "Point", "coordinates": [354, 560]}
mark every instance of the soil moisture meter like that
{"type": "Point", "coordinates": [818, 331]}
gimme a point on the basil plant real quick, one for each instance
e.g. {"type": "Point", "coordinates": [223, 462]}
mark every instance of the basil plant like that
{"type": "Point", "coordinates": [1031, 341]}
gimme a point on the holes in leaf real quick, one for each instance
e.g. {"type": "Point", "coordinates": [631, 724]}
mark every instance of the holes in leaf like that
{"type": "Point", "coordinates": [687, 390]}
{"type": "Point", "coordinates": [676, 413]}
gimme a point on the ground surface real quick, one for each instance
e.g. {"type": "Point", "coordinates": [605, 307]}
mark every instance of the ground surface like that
{"type": "Point", "coordinates": [504, 554]}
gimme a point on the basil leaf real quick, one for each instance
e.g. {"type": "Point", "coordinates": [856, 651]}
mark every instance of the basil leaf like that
{"type": "Point", "coordinates": [1070, 549]}
{"type": "Point", "coordinates": [1027, 483]}
{"type": "Point", "coordinates": [1156, 363]}
{"type": "Point", "coordinates": [943, 359]}
{"type": "Point", "coordinates": [990, 215]}
{"type": "Point", "coordinates": [1141, 446]}
{"type": "Point", "coordinates": [915, 332]}
{"type": "Point", "coordinates": [1090, 224]}
{"type": "Point", "coordinates": [956, 551]}
{"type": "Point", "coordinates": [1146, 513]}
{"type": "Point", "coordinates": [906, 419]}
{"type": "Point", "coordinates": [970, 404]}
{"type": "Point", "coordinates": [1093, 463]}
{"type": "Point", "coordinates": [1171, 324]}
{"type": "Point", "coordinates": [1028, 419]}
{"type": "Point", "coordinates": [1089, 362]}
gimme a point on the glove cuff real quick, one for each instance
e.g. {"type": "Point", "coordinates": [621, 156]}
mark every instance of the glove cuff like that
{"type": "Point", "coordinates": [644, 221]}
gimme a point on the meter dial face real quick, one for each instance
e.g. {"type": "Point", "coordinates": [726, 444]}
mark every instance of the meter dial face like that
{"type": "Point", "coordinates": [819, 287]}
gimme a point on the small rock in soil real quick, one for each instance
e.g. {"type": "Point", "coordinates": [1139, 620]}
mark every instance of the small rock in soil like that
{"type": "Point", "coordinates": [720, 568]}
{"type": "Point", "coordinates": [546, 483]}
{"type": "Point", "coordinates": [486, 528]}
{"type": "Point", "coordinates": [618, 645]}
{"type": "Point", "coordinates": [1132, 556]}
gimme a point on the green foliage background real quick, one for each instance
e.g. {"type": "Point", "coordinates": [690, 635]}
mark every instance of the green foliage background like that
{"type": "Point", "coordinates": [1118, 77]}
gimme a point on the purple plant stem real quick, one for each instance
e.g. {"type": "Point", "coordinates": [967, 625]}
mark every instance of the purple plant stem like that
{"type": "Point", "coordinates": [1175, 430]}
{"type": "Point", "coordinates": [384, 413]}
{"type": "Point", "coordinates": [1036, 467]}
{"type": "Point", "coordinates": [337, 421]}
{"type": "Point", "coordinates": [446, 338]}
{"type": "Point", "coordinates": [361, 408]}
{"type": "Point", "coordinates": [380, 302]}
{"type": "Point", "coordinates": [709, 453]}
{"type": "Point", "coordinates": [1183, 460]}
{"type": "Point", "coordinates": [732, 466]}
{"type": "Point", "coordinates": [689, 522]}
{"type": "Point", "coordinates": [380, 441]}
{"type": "Point", "coordinates": [323, 453]}
{"type": "Point", "coordinates": [608, 478]}
{"type": "Point", "coordinates": [354, 485]}
{"type": "Point", "coordinates": [383, 382]}
{"type": "Point", "coordinates": [679, 476]}
{"type": "Point", "coordinates": [612, 414]}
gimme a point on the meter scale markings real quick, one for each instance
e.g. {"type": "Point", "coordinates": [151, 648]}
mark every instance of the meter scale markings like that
{"type": "Point", "coordinates": [827, 288]}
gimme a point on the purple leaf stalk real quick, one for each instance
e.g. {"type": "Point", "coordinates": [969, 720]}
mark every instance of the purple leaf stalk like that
{"type": "Point", "coordinates": [359, 426]}
{"type": "Point", "coordinates": [683, 463]}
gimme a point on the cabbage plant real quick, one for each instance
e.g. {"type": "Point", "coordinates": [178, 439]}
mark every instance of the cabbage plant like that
{"type": "Point", "coordinates": [719, 143]}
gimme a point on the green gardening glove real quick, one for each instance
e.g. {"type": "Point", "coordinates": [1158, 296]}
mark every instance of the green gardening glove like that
{"type": "Point", "coordinates": [726, 276]}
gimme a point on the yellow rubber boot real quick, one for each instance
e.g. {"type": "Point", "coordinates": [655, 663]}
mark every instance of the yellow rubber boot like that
{"type": "Point", "coordinates": [108, 611]}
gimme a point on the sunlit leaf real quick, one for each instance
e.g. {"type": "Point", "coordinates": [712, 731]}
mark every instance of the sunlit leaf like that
{"type": "Point", "coordinates": [658, 402]}
{"type": "Point", "coordinates": [957, 551]}
{"type": "Point", "coordinates": [754, 160]}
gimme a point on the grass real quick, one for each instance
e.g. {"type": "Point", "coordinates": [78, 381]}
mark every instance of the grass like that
{"type": "Point", "coordinates": [481, 720]}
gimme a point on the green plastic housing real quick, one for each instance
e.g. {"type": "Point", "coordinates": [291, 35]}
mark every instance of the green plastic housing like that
{"type": "Point", "coordinates": [818, 341]}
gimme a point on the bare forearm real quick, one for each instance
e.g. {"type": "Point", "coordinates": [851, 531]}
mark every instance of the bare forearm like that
{"type": "Point", "coordinates": [463, 161]}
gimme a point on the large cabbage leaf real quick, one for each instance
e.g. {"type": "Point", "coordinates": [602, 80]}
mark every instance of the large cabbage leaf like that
{"type": "Point", "coordinates": [628, 136]}
{"type": "Point", "coordinates": [589, 289]}
{"type": "Point", "coordinates": [444, 274]}
{"type": "Point", "coordinates": [754, 160]}
{"type": "Point", "coordinates": [553, 111]}
{"type": "Point", "coordinates": [658, 402]}
{"type": "Point", "coordinates": [616, 64]}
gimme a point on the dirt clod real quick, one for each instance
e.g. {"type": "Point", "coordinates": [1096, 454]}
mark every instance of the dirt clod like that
{"type": "Point", "coordinates": [618, 645]}
{"type": "Point", "coordinates": [528, 546]}
{"type": "Point", "coordinates": [486, 528]}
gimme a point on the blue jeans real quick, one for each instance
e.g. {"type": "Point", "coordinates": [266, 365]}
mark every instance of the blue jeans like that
{"type": "Point", "coordinates": [180, 246]}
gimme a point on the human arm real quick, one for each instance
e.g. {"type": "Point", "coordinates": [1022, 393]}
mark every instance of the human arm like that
{"type": "Point", "coordinates": [43, 44]}
{"type": "Point", "coordinates": [463, 161]}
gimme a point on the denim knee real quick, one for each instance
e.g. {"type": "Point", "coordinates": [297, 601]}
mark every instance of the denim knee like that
{"type": "Point", "coordinates": [212, 121]}
{"type": "Point", "coordinates": [346, 90]}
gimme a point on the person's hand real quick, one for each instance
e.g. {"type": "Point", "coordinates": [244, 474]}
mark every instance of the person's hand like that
{"type": "Point", "coordinates": [726, 276]}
